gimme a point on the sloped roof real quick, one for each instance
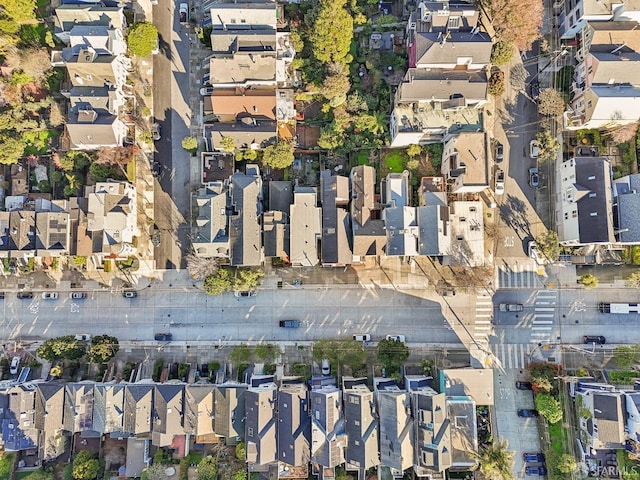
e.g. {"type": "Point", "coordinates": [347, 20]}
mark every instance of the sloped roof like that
{"type": "Point", "coordinates": [363, 179]}
{"type": "Point", "coordinates": [595, 214]}
{"type": "Point", "coordinates": [431, 50]}
{"type": "Point", "coordinates": [294, 427]}
{"type": "Point", "coordinates": [244, 227]}
{"type": "Point", "coordinates": [336, 228]}
{"type": "Point", "coordinates": [305, 227]}
{"type": "Point", "coordinates": [441, 85]}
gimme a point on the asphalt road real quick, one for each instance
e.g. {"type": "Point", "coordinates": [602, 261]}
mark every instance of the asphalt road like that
{"type": "Point", "coordinates": [172, 112]}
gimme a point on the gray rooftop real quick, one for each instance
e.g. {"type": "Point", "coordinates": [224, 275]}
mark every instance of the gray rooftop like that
{"type": "Point", "coordinates": [245, 235]}
{"type": "Point", "coordinates": [229, 416]}
{"type": "Point", "coordinates": [305, 227]}
{"type": "Point", "coordinates": [396, 430]}
{"type": "Point", "coordinates": [593, 198]}
{"type": "Point", "coordinates": [336, 228]}
{"type": "Point", "coordinates": [280, 196]}
{"type": "Point", "coordinates": [260, 424]}
{"type": "Point", "coordinates": [431, 50]}
{"type": "Point", "coordinates": [327, 427]}
{"type": "Point", "coordinates": [442, 85]}
{"type": "Point", "coordinates": [168, 401]}
{"type": "Point", "coordinates": [361, 429]}
{"type": "Point", "coordinates": [627, 200]}
{"type": "Point", "coordinates": [294, 425]}
{"type": "Point", "coordinates": [363, 179]}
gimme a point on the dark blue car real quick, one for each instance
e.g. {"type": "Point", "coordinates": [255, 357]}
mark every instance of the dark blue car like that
{"type": "Point", "coordinates": [541, 470]}
{"type": "Point", "coordinates": [533, 457]}
{"type": "Point", "coordinates": [527, 413]}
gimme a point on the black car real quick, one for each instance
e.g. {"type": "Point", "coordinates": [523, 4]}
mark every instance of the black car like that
{"type": "Point", "coordinates": [527, 413]}
{"type": "Point", "coordinates": [535, 91]}
{"type": "Point", "coordinates": [156, 169]}
{"type": "Point", "coordinates": [499, 152]}
{"type": "Point", "coordinates": [163, 337]}
{"type": "Point", "coordinates": [129, 294]}
{"type": "Point", "coordinates": [524, 386]}
{"type": "Point", "coordinates": [22, 295]}
{"type": "Point", "coordinates": [1, 295]}
{"type": "Point", "coordinates": [599, 339]}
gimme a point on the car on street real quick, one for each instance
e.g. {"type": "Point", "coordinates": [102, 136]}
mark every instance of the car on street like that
{"type": "Point", "coordinates": [534, 177]}
{"type": "Point", "coordinates": [183, 12]}
{"type": "Point", "coordinates": [597, 339]}
{"type": "Point", "coordinates": [289, 323]}
{"type": "Point", "coordinates": [77, 295]}
{"type": "Point", "coordinates": [204, 91]}
{"type": "Point", "coordinates": [156, 168]}
{"type": "Point", "coordinates": [499, 187]}
{"type": "Point", "coordinates": [247, 293]}
{"type": "Point", "coordinates": [365, 337]}
{"type": "Point", "coordinates": [397, 338]}
{"type": "Point", "coordinates": [326, 367]}
{"type": "Point", "coordinates": [534, 149]}
{"type": "Point", "coordinates": [499, 152]}
{"type": "Point", "coordinates": [155, 237]}
{"type": "Point", "coordinates": [511, 307]}
{"type": "Point", "coordinates": [22, 295]}
{"type": "Point", "coordinates": [536, 470]}
{"type": "Point", "coordinates": [15, 363]}
{"type": "Point", "coordinates": [155, 131]}
{"type": "Point", "coordinates": [535, 91]}
{"type": "Point", "coordinates": [527, 413]}
{"type": "Point", "coordinates": [1, 295]}
{"type": "Point", "coordinates": [163, 337]}
{"type": "Point", "coordinates": [533, 457]}
{"type": "Point", "coordinates": [533, 252]}
{"type": "Point", "coordinates": [49, 295]}
{"type": "Point", "coordinates": [524, 386]}
{"type": "Point", "coordinates": [129, 294]}
{"type": "Point", "coordinates": [83, 337]}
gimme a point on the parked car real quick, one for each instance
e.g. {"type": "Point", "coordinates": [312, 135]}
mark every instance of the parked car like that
{"type": "Point", "coordinates": [527, 412]}
{"type": "Point", "coordinates": [155, 131]}
{"type": "Point", "coordinates": [532, 251]}
{"type": "Point", "coordinates": [289, 323]}
{"type": "Point", "coordinates": [183, 12]}
{"type": "Point", "coordinates": [49, 295]}
{"type": "Point", "coordinates": [535, 91]}
{"type": "Point", "coordinates": [534, 177]}
{"type": "Point", "coordinates": [397, 338]}
{"type": "Point", "coordinates": [77, 295]}
{"type": "Point", "coordinates": [156, 168]}
{"type": "Point", "coordinates": [83, 337]}
{"type": "Point", "coordinates": [204, 91]}
{"type": "Point", "coordinates": [15, 363]}
{"type": "Point", "coordinates": [365, 337]}
{"type": "Point", "coordinates": [536, 470]}
{"type": "Point", "coordinates": [163, 337]}
{"type": "Point", "coordinates": [534, 149]}
{"type": "Point", "coordinates": [326, 368]}
{"type": "Point", "coordinates": [22, 295]}
{"type": "Point", "coordinates": [499, 187]}
{"type": "Point", "coordinates": [1, 295]}
{"type": "Point", "coordinates": [248, 293]}
{"type": "Point", "coordinates": [499, 152]}
{"type": "Point", "coordinates": [511, 307]}
{"type": "Point", "coordinates": [155, 238]}
{"type": "Point", "coordinates": [129, 294]}
{"type": "Point", "coordinates": [524, 385]}
{"type": "Point", "coordinates": [533, 457]}
{"type": "Point", "coordinates": [598, 339]}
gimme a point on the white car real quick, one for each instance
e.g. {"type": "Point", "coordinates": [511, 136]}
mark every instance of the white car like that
{"type": "Point", "coordinates": [15, 363]}
{"type": "Point", "coordinates": [534, 149]}
{"type": "Point", "coordinates": [183, 11]}
{"type": "Point", "coordinates": [326, 368]}
{"type": "Point", "coordinates": [397, 338]}
{"type": "Point", "coordinates": [83, 337]}
{"type": "Point", "coordinates": [246, 293]}
{"type": "Point", "coordinates": [534, 253]}
{"type": "Point", "coordinates": [204, 91]}
{"type": "Point", "coordinates": [499, 188]}
{"type": "Point", "coordinates": [49, 295]}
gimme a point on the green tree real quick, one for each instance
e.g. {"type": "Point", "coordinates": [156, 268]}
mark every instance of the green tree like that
{"type": "Point", "coordinates": [40, 475]}
{"type": "Point", "coordinates": [496, 84]}
{"type": "Point", "coordinates": [85, 466]}
{"type": "Point", "coordinates": [548, 245]}
{"type": "Point", "coordinates": [340, 352]}
{"type": "Point", "coordinates": [155, 472]}
{"type": "Point", "coordinates": [588, 280]}
{"type": "Point", "coordinates": [413, 163]}
{"type": "Point", "coordinates": [550, 103]}
{"type": "Point", "coordinates": [100, 172]}
{"type": "Point", "coordinates": [279, 155]}
{"type": "Point", "coordinates": [208, 469]}
{"type": "Point", "coordinates": [501, 53]}
{"type": "Point", "coordinates": [56, 371]}
{"type": "Point", "coordinates": [247, 280]}
{"type": "Point", "coordinates": [565, 464]}
{"type": "Point", "coordinates": [240, 354]}
{"type": "Point", "coordinates": [267, 351]}
{"type": "Point", "coordinates": [496, 460]}
{"type": "Point", "coordinates": [142, 38]}
{"type": "Point", "coordinates": [11, 149]}
{"type": "Point", "coordinates": [227, 144]}
{"type": "Point", "coordinates": [548, 147]}
{"type": "Point", "coordinates": [16, 12]}
{"type": "Point", "coordinates": [250, 155]}
{"type": "Point", "coordinates": [103, 348]}
{"type": "Point", "coordinates": [414, 150]}
{"type": "Point", "coordinates": [190, 144]}
{"type": "Point", "coordinates": [633, 280]}
{"type": "Point", "coordinates": [626, 356]}
{"type": "Point", "coordinates": [241, 453]}
{"type": "Point", "coordinates": [548, 407]}
{"type": "Point", "coordinates": [59, 348]}
{"type": "Point", "coordinates": [332, 30]}
{"type": "Point", "coordinates": [239, 475]}
{"type": "Point", "coordinates": [219, 282]}
{"type": "Point", "coordinates": [336, 83]}
{"type": "Point", "coordinates": [392, 353]}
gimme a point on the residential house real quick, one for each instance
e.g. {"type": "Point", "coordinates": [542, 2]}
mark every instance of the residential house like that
{"type": "Point", "coordinates": [230, 105]}
{"type": "Point", "coordinates": [138, 408]}
{"type": "Point", "coordinates": [461, 411]}
{"type": "Point", "coordinates": [305, 228]}
{"type": "Point", "coordinates": [260, 426]}
{"type": "Point", "coordinates": [466, 245]}
{"type": "Point", "coordinates": [247, 133]}
{"type": "Point", "coordinates": [443, 16]}
{"type": "Point", "coordinates": [294, 426]}
{"type": "Point", "coordinates": [403, 232]}
{"type": "Point", "coordinates": [473, 383]}
{"type": "Point", "coordinates": [19, 430]}
{"type": "Point", "coordinates": [626, 205]}
{"type": "Point", "coordinates": [327, 429]}
{"type": "Point", "coordinates": [395, 190]}
{"type": "Point", "coordinates": [584, 205]}
{"type": "Point", "coordinates": [369, 237]}
{"type": "Point", "coordinates": [396, 430]}
{"type": "Point", "coordinates": [432, 429]}
{"type": "Point", "coordinates": [275, 232]}
{"type": "Point", "coordinates": [108, 409]}
{"type": "Point", "coordinates": [17, 234]}
{"type": "Point", "coordinates": [245, 210]}
{"type": "Point", "coordinates": [465, 163]}
{"type": "Point", "coordinates": [450, 51]}
{"type": "Point", "coordinates": [229, 415]}
{"type": "Point", "coordinates": [604, 429]}
{"type": "Point", "coordinates": [574, 14]}
{"type": "Point", "coordinates": [211, 237]}
{"type": "Point", "coordinates": [68, 16]}
{"type": "Point", "coordinates": [52, 233]}
{"type": "Point", "coordinates": [243, 16]}
{"type": "Point", "coordinates": [198, 415]}
{"type": "Point", "coordinates": [78, 408]}
{"type": "Point", "coordinates": [168, 408]}
{"type": "Point", "coordinates": [433, 218]}
{"type": "Point", "coordinates": [605, 106]}
{"type": "Point", "coordinates": [89, 129]}
{"type": "Point", "coordinates": [49, 419]}
{"type": "Point", "coordinates": [336, 228]}
{"type": "Point", "coordinates": [361, 427]}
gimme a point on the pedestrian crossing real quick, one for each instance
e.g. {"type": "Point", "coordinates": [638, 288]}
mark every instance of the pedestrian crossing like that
{"type": "Point", "coordinates": [484, 316]}
{"type": "Point", "coordinates": [518, 276]}
{"type": "Point", "coordinates": [543, 315]}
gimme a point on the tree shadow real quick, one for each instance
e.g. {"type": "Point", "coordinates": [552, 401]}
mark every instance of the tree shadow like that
{"type": "Point", "coordinates": [513, 213]}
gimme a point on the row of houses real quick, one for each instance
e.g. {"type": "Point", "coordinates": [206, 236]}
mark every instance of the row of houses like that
{"type": "Point", "coordinates": [97, 66]}
{"type": "Point", "coordinates": [286, 427]}
{"type": "Point", "coordinates": [100, 225]}
{"type": "Point", "coordinates": [342, 222]}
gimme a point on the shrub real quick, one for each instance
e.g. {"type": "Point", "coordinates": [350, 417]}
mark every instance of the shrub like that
{"type": "Point", "coordinates": [501, 53]}
{"type": "Point", "coordinates": [496, 83]}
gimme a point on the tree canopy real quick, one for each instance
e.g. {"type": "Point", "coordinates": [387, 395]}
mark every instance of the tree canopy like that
{"type": "Point", "coordinates": [496, 460]}
{"type": "Point", "coordinates": [85, 466]}
{"type": "Point", "coordinates": [103, 348]}
{"type": "Point", "coordinates": [515, 21]}
{"type": "Point", "coordinates": [248, 279]}
{"type": "Point", "coordinates": [279, 155]}
{"type": "Point", "coordinates": [219, 282]}
{"type": "Point", "coordinates": [340, 352]}
{"type": "Point", "coordinates": [548, 245]}
{"type": "Point", "coordinates": [588, 280]}
{"type": "Point", "coordinates": [240, 353]}
{"type": "Point", "coordinates": [228, 144]}
{"type": "Point", "coordinates": [142, 38]}
{"type": "Point", "coordinates": [392, 353]}
{"type": "Point", "coordinates": [332, 31]}
{"type": "Point", "coordinates": [501, 53]}
{"type": "Point", "coordinates": [633, 280]}
{"type": "Point", "coordinates": [208, 469]}
{"type": "Point", "coordinates": [59, 348]}
{"type": "Point", "coordinates": [190, 144]}
{"type": "Point", "coordinates": [548, 407]}
{"type": "Point", "coordinates": [551, 102]}
{"type": "Point", "coordinates": [15, 12]}
{"type": "Point", "coordinates": [40, 475]}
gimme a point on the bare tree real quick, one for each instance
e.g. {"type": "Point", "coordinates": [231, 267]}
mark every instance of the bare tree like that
{"type": "Point", "coordinates": [518, 77]}
{"type": "Point", "coordinates": [625, 133]}
{"type": "Point", "coordinates": [551, 102]}
{"type": "Point", "coordinates": [116, 156]}
{"type": "Point", "coordinates": [515, 21]}
{"type": "Point", "coordinates": [200, 268]}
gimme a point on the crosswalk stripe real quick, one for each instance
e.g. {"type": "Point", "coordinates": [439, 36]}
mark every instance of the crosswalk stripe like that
{"type": "Point", "coordinates": [483, 327]}
{"type": "Point", "coordinates": [543, 315]}
{"type": "Point", "coordinates": [544, 309]}
{"type": "Point", "coordinates": [546, 322]}
{"type": "Point", "coordinates": [540, 328]}
{"type": "Point", "coordinates": [544, 303]}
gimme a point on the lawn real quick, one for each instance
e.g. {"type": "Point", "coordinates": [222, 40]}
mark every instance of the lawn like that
{"type": "Point", "coordinates": [624, 377]}
{"type": "Point", "coordinates": [363, 157]}
{"type": "Point", "coordinates": [395, 161]}
{"type": "Point", "coordinates": [635, 255]}
{"type": "Point", "coordinates": [556, 433]}
{"type": "Point", "coordinates": [131, 170]}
